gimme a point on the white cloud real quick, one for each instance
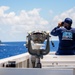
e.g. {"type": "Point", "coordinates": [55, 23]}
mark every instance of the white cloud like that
{"type": "Point", "coordinates": [58, 18]}
{"type": "Point", "coordinates": [2, 9]}
{"type": "Point", "coordinates": [22, 23]}
{"type": "Point", "coordinates": [19, 25]}
{"type": "Point", "coordinates": [69, 13]}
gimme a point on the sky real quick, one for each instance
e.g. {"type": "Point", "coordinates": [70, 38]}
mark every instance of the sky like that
{"type": "Point", "coordinates": [18, 17]}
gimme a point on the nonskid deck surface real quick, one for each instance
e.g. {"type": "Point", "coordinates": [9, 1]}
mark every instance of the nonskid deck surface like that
{"type": "Point", "coordinates": [48, 60]}
{"type": "Point", "coordinates": [58, 60]}
{"type": "Point", "coordinates": [35, 71]}
{"type": "Point", "coordinates": [51, 65]}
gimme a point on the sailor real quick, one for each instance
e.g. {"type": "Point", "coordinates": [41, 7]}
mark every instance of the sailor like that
{"type": "Point", "coordinates": [66, 35]}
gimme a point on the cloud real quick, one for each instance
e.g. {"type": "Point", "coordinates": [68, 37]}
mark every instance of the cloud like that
{"type": "Point", "coordinates": [18, 25]}
{"type": "Point", "coordinates": [24, 18]}
{"type": "Point", "coordinates": [58, 18]}
{"type": "Point", "coordinates": [22, 23]}
{"type": "Point", "coordinates": [2, 9]}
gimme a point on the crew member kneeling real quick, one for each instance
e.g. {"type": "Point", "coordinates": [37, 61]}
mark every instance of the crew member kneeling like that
{"type": "Point", "coordinates": [66, 36]}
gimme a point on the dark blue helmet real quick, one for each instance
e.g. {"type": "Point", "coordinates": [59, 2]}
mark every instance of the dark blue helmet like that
{"type": "Point", "coordinates": [68, 20]}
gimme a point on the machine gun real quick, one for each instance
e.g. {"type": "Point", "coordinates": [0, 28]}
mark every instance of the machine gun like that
{"type": "Point", "coordinates": [35, 40]}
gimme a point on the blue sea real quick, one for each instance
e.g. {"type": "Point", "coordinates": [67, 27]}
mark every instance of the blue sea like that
{"type": "Point", "coordinates": [8, 49]}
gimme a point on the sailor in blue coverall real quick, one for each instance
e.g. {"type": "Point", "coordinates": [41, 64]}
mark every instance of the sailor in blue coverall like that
{"type": "Point", "coordinates": [66, 36]}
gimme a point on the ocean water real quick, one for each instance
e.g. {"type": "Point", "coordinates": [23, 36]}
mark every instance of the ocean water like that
{"type": "Point", "coordinates": [8, 49]}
